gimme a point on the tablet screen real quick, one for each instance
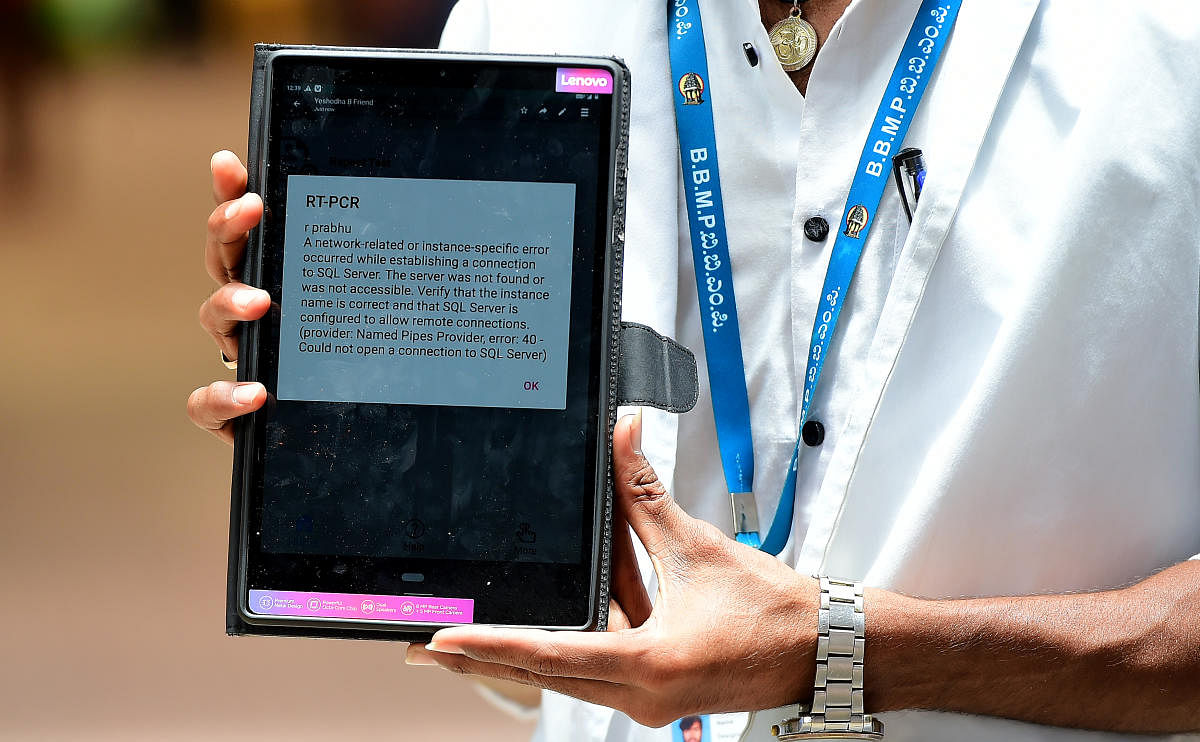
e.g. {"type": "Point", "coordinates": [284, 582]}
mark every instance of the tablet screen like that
{"type": "Point", "coordinates": [435, 241]}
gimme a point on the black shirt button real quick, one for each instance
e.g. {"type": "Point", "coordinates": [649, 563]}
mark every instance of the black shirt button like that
{"type": "Point", "coordinates": [816, 229]}
{"type": "Point", "coordinates": [812, 433]}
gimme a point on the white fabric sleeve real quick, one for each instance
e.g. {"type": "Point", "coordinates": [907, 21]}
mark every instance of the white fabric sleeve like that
{"type": "Point", "coordinates": [514, 709]}
{"type": "Point", "coordinates": [468, 27]}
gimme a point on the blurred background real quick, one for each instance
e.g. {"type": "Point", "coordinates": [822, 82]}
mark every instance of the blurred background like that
{"type": "Point", "coordinates": [113, 508]}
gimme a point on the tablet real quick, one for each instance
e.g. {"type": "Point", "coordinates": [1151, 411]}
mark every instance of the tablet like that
{"type": "Point", "coordinates": [438, 242]}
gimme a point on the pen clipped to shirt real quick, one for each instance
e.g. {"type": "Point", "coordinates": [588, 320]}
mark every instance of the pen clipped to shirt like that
{"type": "Point", "coordinates": [908, 167]}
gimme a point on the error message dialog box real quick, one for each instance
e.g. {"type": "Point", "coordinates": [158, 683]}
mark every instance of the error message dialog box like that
{"type": "Point", "coordinates": [432, 292]}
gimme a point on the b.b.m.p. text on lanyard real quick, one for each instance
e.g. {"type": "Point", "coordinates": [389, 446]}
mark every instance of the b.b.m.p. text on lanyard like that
{"type": "Point", "coordinates": [710, 245]}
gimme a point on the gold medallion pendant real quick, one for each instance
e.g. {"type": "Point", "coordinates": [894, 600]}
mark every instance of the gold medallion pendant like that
{"type": "Point", "coordinates": [794, 40]}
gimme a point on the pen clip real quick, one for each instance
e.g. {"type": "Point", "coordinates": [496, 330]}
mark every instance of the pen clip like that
{"type": "Point", "coordinates": [909, 166]}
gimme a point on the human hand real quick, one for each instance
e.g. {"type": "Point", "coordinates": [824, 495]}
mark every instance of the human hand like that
{"type": "Point", "coordinates": [212, 407]}
{"type": "Point", "coordinates": [732, 629]}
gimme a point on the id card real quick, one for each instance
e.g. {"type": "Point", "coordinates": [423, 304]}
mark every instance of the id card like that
{"type": "Point", "coordinates": [710, 728]}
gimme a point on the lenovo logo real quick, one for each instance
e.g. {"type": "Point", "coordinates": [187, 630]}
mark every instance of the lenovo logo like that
{"type": "Point", "coordinates": [579, 80]}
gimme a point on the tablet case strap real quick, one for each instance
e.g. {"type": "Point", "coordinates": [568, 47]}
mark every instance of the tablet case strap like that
{"type": "Point", "coordinates": [654, 370]}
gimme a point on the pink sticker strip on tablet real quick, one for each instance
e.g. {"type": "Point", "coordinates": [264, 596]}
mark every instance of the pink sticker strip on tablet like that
{"type": "Point", "coordinates": [404, 608]}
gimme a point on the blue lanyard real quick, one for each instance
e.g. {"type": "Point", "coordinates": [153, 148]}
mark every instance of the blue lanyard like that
{"type": "Point", "coordinates": [710, 250]}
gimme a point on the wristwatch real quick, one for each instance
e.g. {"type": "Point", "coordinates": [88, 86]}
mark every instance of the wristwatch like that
{"type": "Point", "coordinates": [836, 711]}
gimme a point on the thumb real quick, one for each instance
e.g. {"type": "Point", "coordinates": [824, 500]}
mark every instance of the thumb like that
{"type": "Point", "coordinates": [659, 522]}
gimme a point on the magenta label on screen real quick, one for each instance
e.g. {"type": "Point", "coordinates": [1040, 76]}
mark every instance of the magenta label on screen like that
{"type": "Point", "coordinates": [583, 80]}
{"type": "Point", "coordinates": [407, 608]}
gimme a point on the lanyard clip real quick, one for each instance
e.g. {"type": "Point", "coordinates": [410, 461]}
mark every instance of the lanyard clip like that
{"type": "Point", "coordinates": [745, 512]}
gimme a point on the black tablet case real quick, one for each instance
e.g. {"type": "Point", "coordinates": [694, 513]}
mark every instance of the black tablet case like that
{"type": "Point", "coordinates": [643, 367]}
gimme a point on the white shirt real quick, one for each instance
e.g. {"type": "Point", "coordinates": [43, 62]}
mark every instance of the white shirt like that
{"type": "Point", "coordinates": [1012, 402]}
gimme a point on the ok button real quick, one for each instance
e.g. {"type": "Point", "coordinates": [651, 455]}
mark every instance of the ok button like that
{"type": "Point", "coordinates": [532, 386]}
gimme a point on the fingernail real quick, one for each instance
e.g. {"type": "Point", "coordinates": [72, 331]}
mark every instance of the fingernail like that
{"type": "Point", "coordinates": [243, 297]}
{"type": "Point", "coordinates": [636, 432]}
{"type": "Point", "coordinates": [232, 209]}
{"type": "Point", "coordinates": [433, 646]}
{"type": "Point", "coordinates": [418, 657]}
{"type": "Point", "coordinates": [245, 393]}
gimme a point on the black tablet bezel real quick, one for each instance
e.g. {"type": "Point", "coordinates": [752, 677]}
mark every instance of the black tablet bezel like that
{"type": "Point", "coordinates": [507, 593]}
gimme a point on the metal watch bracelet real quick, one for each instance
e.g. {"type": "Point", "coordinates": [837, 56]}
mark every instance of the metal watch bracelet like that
{"type": "Point", "coordinates": [836, 711]}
